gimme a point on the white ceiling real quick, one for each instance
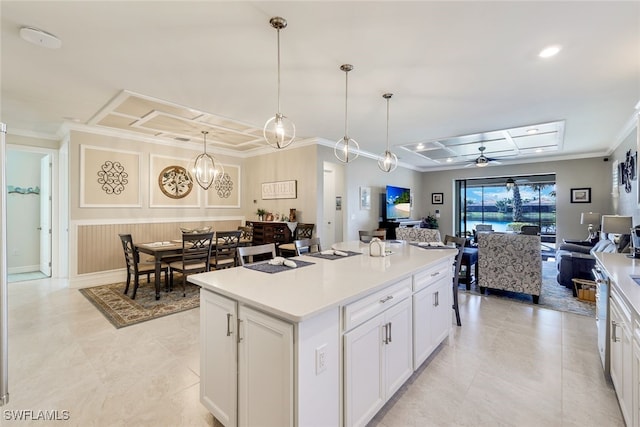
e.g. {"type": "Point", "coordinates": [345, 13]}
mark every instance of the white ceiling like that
{"type": "Point", "coordinates": [455, 68]}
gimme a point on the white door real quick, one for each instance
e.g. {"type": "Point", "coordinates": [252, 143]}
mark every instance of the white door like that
{"type": "Point", "coordinates": [329, 207]}
{"type": "Point", "coordinates": [45, 215]}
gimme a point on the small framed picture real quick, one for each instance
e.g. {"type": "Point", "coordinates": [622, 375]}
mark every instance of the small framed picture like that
{"type": "Point", "coordinates": [365, 198]}
{"type": "Point", "coordinates": [437, 198]}
{"type": "Point", "coordinates": [581, 195]}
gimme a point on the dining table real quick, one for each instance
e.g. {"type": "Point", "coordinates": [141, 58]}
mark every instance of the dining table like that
{"type": "Point", "coordinates": [160, 251]}
{"type": "Point", "coordinates": [169, 249]}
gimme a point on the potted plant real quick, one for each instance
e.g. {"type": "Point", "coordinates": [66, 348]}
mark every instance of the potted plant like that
{"type": "Point", "coordinates": [430, 221]}
{"type": "Point", "coordinates": [261, 213]}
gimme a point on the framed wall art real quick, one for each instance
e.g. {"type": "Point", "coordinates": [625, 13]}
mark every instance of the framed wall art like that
{"type": "Point", "coordinates": [171, 184]}
{"type": "Point", "coordinates": [279, 190]}
{"type": "Point", "coordinates": [109, 178]}
{"type": "Point", "coordinates": [365, 198]}
{"type": "Point", "coordinates": [225, 191]}
{"type": "Point", "coordinates": [437, 198]}
{"type": "Point", "coordinates": [581, 195]}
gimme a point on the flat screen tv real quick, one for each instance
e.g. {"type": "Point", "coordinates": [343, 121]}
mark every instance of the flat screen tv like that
{"type": "Point", "coordinates": [397, 203]}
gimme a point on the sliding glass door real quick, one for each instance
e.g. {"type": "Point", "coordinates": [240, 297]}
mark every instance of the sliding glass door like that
{"type": "Point", "coordinates": [528, 200]}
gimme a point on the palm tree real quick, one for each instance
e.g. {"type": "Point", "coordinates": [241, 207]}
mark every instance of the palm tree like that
{"type": "Point", "coordinates": [517, 203]}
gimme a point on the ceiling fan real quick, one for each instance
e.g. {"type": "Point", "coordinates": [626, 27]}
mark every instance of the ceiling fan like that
{"type": "Point", "coordinates": [482, 160]}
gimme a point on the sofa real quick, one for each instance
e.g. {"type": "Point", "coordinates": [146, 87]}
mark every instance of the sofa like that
{"type": "Point", "coordinates": [510, 262]}
{"type": "Point", "coordinates": [415, 234]}
{"type": "Point", "coordinates": [575, 260]}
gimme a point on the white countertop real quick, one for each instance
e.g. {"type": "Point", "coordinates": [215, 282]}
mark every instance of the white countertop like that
{"type": "Point", "coordinates": [620, 269]}
{"type": "Point", "coordinates": [303, 292]}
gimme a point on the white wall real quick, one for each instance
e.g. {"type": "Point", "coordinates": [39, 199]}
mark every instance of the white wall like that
{"type": "Point", "coordinates": [365, 172]}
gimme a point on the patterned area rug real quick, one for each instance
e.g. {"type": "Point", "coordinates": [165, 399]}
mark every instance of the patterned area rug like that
{"type": "Point", "coordinates": [122, 311]}
{"type": "Point", "coordinates": [554, 296]}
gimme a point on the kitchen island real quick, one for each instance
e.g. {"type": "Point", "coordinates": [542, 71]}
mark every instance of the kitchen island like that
{"type": "Point", "coordinates": [621, 346]}
{"type": "Point", "coordinates": [323, 344]}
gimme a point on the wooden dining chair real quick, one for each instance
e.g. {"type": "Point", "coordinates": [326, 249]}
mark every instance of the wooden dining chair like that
{"type": "Point", "coordinates": [196, 256]}
{"type": "Point", "coordinates": [135, 268]}
{"type": "Point", "coordinates": [459, 242]}
{"type": "Point", "coordinates": [225, 249]}
{"type": "Point", "coordinates": [246, 238]}
{"type": "Point", "coordinates": [304, 246]}
{"type": "Point", "coordinates": [366, 235]}
{"type": "Point", "coordinates": [246, 254]}
{"type": "Point", "coordinates": [302, 231]}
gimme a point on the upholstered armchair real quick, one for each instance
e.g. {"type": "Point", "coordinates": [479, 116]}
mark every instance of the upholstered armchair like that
{"type": "Point", "coordinates": [416, 234]}
{"type": "Point", "coordinates": [511, 262]}
{"type": "Point", "coordinates": [575, 260]}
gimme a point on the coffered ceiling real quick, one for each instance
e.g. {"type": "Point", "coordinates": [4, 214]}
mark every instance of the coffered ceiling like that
{"type": "Point", "coordinates": [465, 75]}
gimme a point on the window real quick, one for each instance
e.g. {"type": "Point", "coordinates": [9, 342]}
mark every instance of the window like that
{"type": "Point", "coordinates": [531, 201]}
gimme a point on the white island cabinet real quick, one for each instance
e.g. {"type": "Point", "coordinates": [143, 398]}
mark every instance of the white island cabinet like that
{"type": "Point", "coordinates": [321, 345]}
{"type": "Point", "coordinates": [624, 331]}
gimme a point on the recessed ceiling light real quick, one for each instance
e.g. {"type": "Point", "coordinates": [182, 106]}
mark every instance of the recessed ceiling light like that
{"type": "Point", "coordinates": [532, 131]}
{"type": "Point", "coordinates": [420, 146]}
{"type": "Point", "coordinates": [538, 150]}
{"type": "Point", "coordinates": [549, 51]}
{"type": "Point", "coordinates": [40, 38]}
{"type": "Point", "coordinates": [449, 160]}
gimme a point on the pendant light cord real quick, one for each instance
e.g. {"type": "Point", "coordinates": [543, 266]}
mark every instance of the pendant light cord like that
{"type": "Point", "coordinates": [346, 97]}
{"type": "Point", "coordinates": [278, 70]}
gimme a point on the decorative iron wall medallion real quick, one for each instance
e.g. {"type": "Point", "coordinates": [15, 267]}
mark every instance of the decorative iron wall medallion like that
{"type": "Point", "coordinates": [112, 177]}
{"type": "Point", "coordinates": [224, 186]}
{"type": "Point", "coordinates": [175, 182]}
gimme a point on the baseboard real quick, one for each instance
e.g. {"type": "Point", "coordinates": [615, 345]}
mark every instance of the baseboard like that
{"type": "Point", "coordinates": [97, 279]}
{"type": "Point", "coordinates": [23, 269]}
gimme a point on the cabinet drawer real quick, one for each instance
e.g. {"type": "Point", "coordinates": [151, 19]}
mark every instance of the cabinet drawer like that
{"type": "Point", "coordinates": [431, 275]}
{"type": "Point", "coordinates": [368, 307]}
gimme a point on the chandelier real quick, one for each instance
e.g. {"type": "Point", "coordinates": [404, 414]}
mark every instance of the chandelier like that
{"type": "Point", "coordinates": [205, 168]}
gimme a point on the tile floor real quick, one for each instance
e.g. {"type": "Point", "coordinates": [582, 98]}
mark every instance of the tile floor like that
{"type": "Point", "coordinates": [510, 364]}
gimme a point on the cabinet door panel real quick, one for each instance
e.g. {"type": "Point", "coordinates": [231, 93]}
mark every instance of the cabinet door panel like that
{"type": "Point", "coordinates": [363, 379]}
{"type": "Point", "coordinates": [265, 370]}
{"type": "Point", "coordinates": [422, 343]}
{"type": "Point", "coordinates": [218, 380]}
{"type": "Point", "coordinates": [442, 310]}
{"type": "Point", "coordinates": [398, 349]}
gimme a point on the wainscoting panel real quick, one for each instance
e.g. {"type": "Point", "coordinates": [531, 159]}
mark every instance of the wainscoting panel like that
{"type": "Point", "coordinates": [99, 247]}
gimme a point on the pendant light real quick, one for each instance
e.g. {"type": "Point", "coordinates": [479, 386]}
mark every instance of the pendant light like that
{"type": "Point", "coordinates": [510, 183]}
{"type": "Point", "coordinates": [388, 162]}
{"type": "Point", "coordinates": [279, 131]}
{"type": "Point", "coordinates": [205, 168]}
{"type": "Point", "coordinates": [346, 149]}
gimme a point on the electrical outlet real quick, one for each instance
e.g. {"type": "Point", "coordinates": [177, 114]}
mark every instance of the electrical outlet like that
{"type": "Point", "coordinates": [321, 359]}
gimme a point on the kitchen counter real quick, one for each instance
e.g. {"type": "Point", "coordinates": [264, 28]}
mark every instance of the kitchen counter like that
{"type": "Point", "coordinates": [620, 270]}
{"type": "Point", "coordinates": [304, 292]}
